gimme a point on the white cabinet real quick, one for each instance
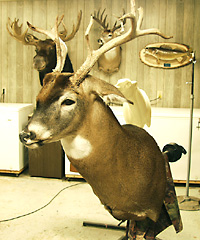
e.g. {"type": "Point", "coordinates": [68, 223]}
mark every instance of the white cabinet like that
{"type": "Point", "coordinates": [172, 125]}
{"type": "Point", "coordinates": [13, 118]}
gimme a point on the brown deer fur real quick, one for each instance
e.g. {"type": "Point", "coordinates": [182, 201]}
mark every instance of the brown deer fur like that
{"type": "Point", "coordinates": [124, 165]}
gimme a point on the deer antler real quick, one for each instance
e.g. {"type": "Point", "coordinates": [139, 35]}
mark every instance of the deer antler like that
{"type": "Point", "coordinates": [16, 31]}
{"type": "Point", "coordinates": [147, 31]}
{"type": "Point", "coordinates": [63, 34]}
{"type": "Point", "coordinates": [61, 47]}
{"type": "Point", "coordinates": [132, 33]}
{"type": "Point", "coordinates": [115, 27]}
{"type": "Point", "coordinates": [99, 19]}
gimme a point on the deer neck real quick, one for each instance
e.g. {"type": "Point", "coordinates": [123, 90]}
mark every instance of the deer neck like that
{"type": "Point", "coordinates": [113, 53]}
{"type": "Point", "coordinates": [97, 131]}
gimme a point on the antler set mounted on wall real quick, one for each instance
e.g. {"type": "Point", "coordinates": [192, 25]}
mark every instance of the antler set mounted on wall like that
{"type": "Point", "coordinates": [110, 61]}
{"type": "Point", "coordinates": [61, 47]}
{"type": "Point", "coordinates": [93, 55]}
{"type": "Point", "coordinates": [45, 59]}
{"type": "Point", "coordinates": [133, 32]}
{"type": "Point", "coordinates": [101, 20]}
{"type": "Point", "coordinates": [15, 30]}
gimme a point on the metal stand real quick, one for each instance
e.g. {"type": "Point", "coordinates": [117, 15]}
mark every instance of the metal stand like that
{"type": "Point", "coordinates": [100, 225]}
{"type": "Point", "coordinates": [186, 202]}
{"type": "Point", "coordinates": [127, 230]}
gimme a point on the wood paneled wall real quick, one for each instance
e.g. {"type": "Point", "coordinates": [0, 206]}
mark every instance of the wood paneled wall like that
{"type": "Point", "coordinates": [180, 18]}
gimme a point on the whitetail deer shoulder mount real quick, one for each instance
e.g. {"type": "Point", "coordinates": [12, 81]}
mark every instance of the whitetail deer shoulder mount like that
{"type": "Point", "coordinates": [110, 61]}
{"type": "Point", "coordinates": [123, 164]}
{"type": "Point", "coordinates": [45, 59]}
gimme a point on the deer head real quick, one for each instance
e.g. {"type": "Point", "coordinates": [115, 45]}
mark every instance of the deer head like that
{"type": "Point", "coordinates": [110, 61]}
{"type": "Point", "coordinates": [45, 59]}
{"type": "Point", "coordinates": [114, 159]}
{"type": "Point", "coordinates": [108, 33]}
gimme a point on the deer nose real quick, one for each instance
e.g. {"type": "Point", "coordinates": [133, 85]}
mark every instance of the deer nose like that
{"type": "Point", "coordinates": [25, 136]}
{"type": "Point", "coordinates": [100, 41]}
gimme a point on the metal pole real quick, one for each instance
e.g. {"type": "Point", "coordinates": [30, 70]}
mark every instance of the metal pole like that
{"type": "Point", "coordinates": [187, 202]}
{"type": "Point", "coordinates": [190, 129]}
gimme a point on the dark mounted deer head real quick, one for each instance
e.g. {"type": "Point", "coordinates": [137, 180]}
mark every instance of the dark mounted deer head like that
{"type": "Point", "coordinates": [45, 59]}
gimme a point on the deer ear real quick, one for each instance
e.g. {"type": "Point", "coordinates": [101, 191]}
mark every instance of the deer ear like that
{"type": "Point", "coordinates": [106, 91]}
{"type": "Point", "coordinates": [114, 98]}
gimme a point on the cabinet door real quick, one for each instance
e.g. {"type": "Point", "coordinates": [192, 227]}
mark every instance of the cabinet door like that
{"type": "Point", "coordinates": [9, 141]}
{"type": "Point", "coordinates": [176, 129]}
{"type": "Point", "coordinates": [195, 156]}
{"type": "Point", "coordinates": [47, 161]}
{"type": "Point", "coordinates": [171, 129]}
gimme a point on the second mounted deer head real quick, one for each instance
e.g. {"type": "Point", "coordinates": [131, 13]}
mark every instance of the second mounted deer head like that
{"type": "Point", "coordinates": [110, 61]}
{"type": "Point", "coordinates": [45, 59]}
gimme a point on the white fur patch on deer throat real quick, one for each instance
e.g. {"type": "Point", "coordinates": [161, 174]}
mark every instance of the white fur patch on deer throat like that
{"type": "Point", "coordinates": [110, 54]}
{"type": "Point", "coordinates": [76, 147]}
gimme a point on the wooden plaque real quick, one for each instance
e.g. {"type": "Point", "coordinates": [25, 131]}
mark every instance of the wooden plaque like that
{"type": "Point", "coordinates": [166, 55]}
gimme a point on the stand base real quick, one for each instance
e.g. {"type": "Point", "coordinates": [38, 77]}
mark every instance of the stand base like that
{"type": "Point", "coordinates": [189, 203]}
{"type": "Point", "coordinates": [100, 225]}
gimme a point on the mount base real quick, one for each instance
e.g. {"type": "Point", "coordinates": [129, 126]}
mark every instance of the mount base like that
{"type": "Point", "coordinates": [189, 203]}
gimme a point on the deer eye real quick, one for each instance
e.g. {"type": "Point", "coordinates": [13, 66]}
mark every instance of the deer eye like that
{"type": "Point", "coordinates": [110, 35]}
{"type": "Point", "coordinates": [68, 102]}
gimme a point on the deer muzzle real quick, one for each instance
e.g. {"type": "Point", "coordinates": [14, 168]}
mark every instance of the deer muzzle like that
{"type": "Point", "coordinates": [39, 63]}
{"type": "Point", "coordinates": [29, 139]}
{"type": "Point", "coordinates": [100, 41]}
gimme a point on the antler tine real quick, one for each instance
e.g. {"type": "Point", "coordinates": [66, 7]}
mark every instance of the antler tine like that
{"type": "Point", "coordinates": [63, 34]}
{"type": "Point", "coordinates": [115, 27]}
{"type": "Point", "coordinates": [15, 31]}
{"type": "Point", "coordinates": [148, 31]}
{"type": "Point", "coordinates": [100, 19]}
{"type": "Point", "coordinates": [104, 21]}
{"type": "Point", "coordinates": [61, 48]}
{"type": "Point", "coordinates": [133, 32]}
{"type": "Point", "coordinates": [50, 33]}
